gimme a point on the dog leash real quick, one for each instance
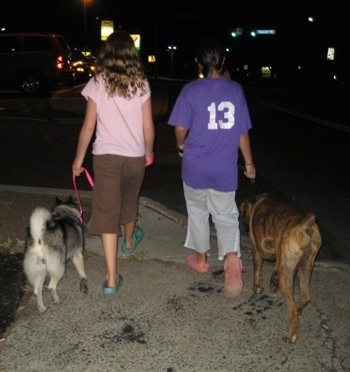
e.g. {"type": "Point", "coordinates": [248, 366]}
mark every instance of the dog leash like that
{"type": "Point", "coordinates": [253, 187]}
{"type": "Point", "coordinates": [148, 161]}
{"type": "Point", "coordinates": [91, 182]}
{"type": "Point", "coordinates": [257, 189]}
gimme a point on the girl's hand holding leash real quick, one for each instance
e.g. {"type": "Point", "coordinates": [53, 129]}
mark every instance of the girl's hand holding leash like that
{"type": "Point", "coordinates": [77, 167]}
{"type": "Point", "coordinates": [149, 160]}
{"type": "Point", "coordinates": [77, 171]}
{"type": "Point", "coordinates": [250, 171]}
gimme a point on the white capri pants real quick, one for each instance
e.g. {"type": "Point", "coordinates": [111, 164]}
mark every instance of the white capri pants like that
{"type": "Point", "coordinates": [201, 203]}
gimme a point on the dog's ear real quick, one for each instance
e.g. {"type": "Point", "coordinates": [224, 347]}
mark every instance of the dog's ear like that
{"type": "Point", "coordinates": [71, 201]}
{"type": "Point", "coordinates": [245, 208]}
{"type": "Point", "coordinates": [58, 201]}
{"type": "Point", "coordinates": [308, 220]}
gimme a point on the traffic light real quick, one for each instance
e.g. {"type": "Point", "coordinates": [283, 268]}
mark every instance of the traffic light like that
{"type": "Point", "coordinates": [237, 32]}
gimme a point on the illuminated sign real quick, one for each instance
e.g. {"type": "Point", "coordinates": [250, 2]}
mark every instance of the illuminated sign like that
{"type": "Point", "coordinates": [137, 40]}
{"type": "Point", "coordinates": [265, 32]}
{"type": "Point", "coordinates": [330, 54]}
{"type": "Point", "coordinates": [107, 27]}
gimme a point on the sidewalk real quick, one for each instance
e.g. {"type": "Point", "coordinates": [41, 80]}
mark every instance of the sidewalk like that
{"type": "Point", "coordinates": [166, 317]}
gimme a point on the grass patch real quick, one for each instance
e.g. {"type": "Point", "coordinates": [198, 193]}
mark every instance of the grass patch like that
{"type": "Point", "coordinates": [9, 245]}
{"type": "Point", "coordinates": [138, 256]}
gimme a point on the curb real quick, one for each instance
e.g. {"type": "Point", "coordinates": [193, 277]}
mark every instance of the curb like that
{"type": "Point", "coordinates": [159, 208]}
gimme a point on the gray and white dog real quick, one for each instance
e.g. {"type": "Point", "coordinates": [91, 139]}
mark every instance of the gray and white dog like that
{"type": "Point", "coordinates": [52, 239]}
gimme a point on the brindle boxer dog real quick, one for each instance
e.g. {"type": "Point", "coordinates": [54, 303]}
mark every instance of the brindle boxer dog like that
{"type": "Point", "coordinates": [280, 233]}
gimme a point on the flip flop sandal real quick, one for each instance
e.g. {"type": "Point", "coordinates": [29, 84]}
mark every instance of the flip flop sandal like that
{"type": "Point", "coordinates": [138, 235]}
{"type": "Point", "coordinates": [192, 262]}
{"type": "Point", "coordinates": [233, 276]}
{"type": "Point", "coordinates": [112, 291]}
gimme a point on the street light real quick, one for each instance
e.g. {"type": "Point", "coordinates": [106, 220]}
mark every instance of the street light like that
{"type": "Point", "coordinates": [85, 24]}
{"type": "Point", "coordinates": [172, 48]}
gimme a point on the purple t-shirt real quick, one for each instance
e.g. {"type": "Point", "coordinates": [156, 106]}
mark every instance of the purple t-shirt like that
{"type": "Point", "coordinates": [215, 113]}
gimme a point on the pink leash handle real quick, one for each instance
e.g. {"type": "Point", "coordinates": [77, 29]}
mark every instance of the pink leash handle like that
{"type": "Point", "coordinates": [88, 177]}
{"type": "Point", "coordinates": [91, 182]}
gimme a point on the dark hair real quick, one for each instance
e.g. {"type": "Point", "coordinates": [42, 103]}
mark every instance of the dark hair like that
{"type": "Point", "coordinates": [210, 54]}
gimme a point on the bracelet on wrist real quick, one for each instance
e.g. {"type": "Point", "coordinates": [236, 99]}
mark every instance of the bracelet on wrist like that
{"type": "Point", "coordinates": [250, 164]}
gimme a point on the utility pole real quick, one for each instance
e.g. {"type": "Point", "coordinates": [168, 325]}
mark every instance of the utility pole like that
{"type": "Point", "coordinates": [155, 47]}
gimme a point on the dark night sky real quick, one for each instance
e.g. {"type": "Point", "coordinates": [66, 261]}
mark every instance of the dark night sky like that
{"type": "Point", "coordinates": [66, 16]}
{"type": "Point", "coordinates": [177, 24]}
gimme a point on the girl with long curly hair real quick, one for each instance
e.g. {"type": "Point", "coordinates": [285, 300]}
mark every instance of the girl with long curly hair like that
{"type": "Point", "coordinates": [119, 113]}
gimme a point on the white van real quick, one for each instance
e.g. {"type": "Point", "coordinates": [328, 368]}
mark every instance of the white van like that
{"type": "Point", "coordinates": [34, 63]}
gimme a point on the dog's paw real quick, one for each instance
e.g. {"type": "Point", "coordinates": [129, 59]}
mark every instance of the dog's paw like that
{"type": "Point", "coordinates": [274, 285]}
{"type": "Point", "coordinates": [56, 302]}
{"type": "Point", "coordinates": [290, 338]}
{"type": "Point", "coordinates": [42, 308]}
{"type": "Point", "coordinates": [83, 286]}
{"type": "Point", "coordinates": [40, 304]}
{"type": "Point", "coordinates": [257, 289]}
{"type": "Point", "coordinates": [54, 296]}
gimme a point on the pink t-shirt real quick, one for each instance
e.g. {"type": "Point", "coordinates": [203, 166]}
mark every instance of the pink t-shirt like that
{"type": "Point", "coordinates": [119, 128]}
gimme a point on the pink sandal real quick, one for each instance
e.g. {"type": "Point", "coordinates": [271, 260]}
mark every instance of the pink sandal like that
{"type": "Point", "coordinates": [233, 276]}
{"type": "Point", "coordinates": [193, 264]}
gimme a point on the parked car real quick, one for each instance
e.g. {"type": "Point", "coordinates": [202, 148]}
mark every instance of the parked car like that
{"type": "Point", "coordinates": [83, 65]}
{"type": "Point", "coordinates": [34, 63]}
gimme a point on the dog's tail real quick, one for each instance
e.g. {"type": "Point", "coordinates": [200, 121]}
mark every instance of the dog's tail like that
{"type": "Point", "coordinates": [38, 221]}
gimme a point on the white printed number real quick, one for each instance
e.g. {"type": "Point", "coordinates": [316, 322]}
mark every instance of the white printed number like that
{"type": "Point", "coordinates": [229, 115]}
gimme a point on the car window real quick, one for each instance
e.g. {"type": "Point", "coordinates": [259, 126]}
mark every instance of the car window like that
{"type": "Point", "coordinates": [35, 44]}
{"type": "Point", "coordinates": [77, 55]}
{"type": "Point", "coordinates": [63, 43]}
{"type": "Point", "coordinates": [8, 44]}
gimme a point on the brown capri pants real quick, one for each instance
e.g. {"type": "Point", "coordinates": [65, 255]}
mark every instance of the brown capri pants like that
{"type": "Point", "coordinates": [117, 184]}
